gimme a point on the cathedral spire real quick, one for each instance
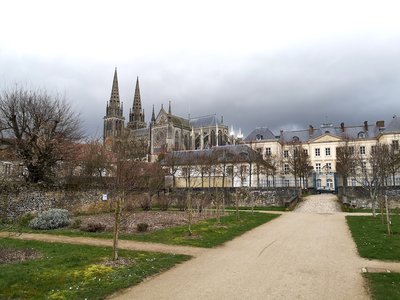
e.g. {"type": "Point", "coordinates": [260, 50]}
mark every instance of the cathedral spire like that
{"type": "Point", "coordinates": [136, 117]}
{"type": "Point", "coordinates": [114, 90]}
{"type": "Point", "coordinates": [137, 103]}
{"type": "Point", "coordinates": [153, 116]}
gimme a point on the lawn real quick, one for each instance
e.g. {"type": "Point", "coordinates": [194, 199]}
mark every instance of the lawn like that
{"type": "Point", "coordinates": [206, 233]}
{"type": "Point", "coordinates": [65, 271]}
{"type": "Point", "coordinates": [384, 286]}
{"type": "Point", "coordinates": [371, 238]}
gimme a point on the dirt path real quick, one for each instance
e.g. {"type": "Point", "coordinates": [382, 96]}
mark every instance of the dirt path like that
{"type": "Point", "coordinates": [300, 255]}
{"type": "Point", "coordinates": [123, 244]}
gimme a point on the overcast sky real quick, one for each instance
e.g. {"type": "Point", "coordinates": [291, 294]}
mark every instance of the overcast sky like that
{"type": "Point", "coordinates": [280, 64]}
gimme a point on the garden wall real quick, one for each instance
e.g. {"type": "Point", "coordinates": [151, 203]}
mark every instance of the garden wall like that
{"type": "Point", "coordinates": [34, 200]}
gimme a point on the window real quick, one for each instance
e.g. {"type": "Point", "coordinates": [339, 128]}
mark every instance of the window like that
{"type": "Point", "coordinates": [373, 149]}
{"type": "Point", "coordinates": [259, 137]}
{"type": "Point", "coordinates": [268, 151]}
{"type": "Point", "coordinates": [317, 152]}
{"type": "Point", "coordinates": [305, 151]}
{"type": "Point", "coordinates": [286, 169]}
{"type": "Point", "coordinates": [363, 166]}
{"type": "Point", "coordinates": [329, 184]}
{"type": "Point", "coordinates": [351, 150]}
{"type": "Point", "coordinates": [318, 167]}
{"type": "Point", "coordinates": [395, 145]}
{"type": "Point", "coordinates": [353, 182]}
{"type": "Point", "coordinates": [361, 135]}
{"type": "Point", "coordinates": [259, 150]}
{"type": "Point", "coordinates": [286, 153]}
{"type": "Point", "coordinates": [362, 149]}
{"type": "Point", "coordinates": [286, 183]}
{"type": "Point", "coordinates": [328, 166]}
{"type": "Point", "coordinates": [296, 139]}
{"type": "Point", "coordinates": [327, 151]}
{"type": "Point", "coordinates": [229, 170]}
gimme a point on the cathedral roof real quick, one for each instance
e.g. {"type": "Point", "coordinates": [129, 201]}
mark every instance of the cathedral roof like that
{"type": "Point", "coordinates": [205, 121]}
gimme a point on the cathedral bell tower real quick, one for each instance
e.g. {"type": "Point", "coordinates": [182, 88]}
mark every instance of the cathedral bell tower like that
{"type": "Point", "coordinates": [114, 119]}
{"type": "Point", "coordinates": [136, 114]}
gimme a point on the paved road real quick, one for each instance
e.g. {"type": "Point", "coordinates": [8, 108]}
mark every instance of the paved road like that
{"type": "Point", "coordinates": [307, 254]}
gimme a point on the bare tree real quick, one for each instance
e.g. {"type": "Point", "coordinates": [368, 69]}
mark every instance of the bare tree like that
{"type": "Point", "coordinates": [44, 129]}
{"type": "Point", "coordinates": [345, 163]}
{"type": "Point", "coordinates": [299, 163]}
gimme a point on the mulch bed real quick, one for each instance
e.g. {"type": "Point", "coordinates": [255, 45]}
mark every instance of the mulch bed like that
{"type": "Point", "coordinates": [8, 255]}
{"type": "Point", "coordinates": [155, 219]}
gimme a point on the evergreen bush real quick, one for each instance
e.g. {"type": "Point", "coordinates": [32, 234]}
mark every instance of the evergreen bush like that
{"type": "Point", "coordinates": [51, 219]}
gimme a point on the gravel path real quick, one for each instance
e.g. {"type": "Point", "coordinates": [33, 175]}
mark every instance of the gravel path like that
{"type": "Point", "coordinates": [322, 204]}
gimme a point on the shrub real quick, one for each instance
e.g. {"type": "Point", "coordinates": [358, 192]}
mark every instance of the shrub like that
{"type": "Point", "coordinates": [142, 227]}
{"type": "Point", "coordinates": [93, 227]}
{"type": "Point", "coordinates": [76, 223]}
{"type": "Point", "coordinates": [51, 219]}
{"type": "Point", "coordinates": [25, 219]}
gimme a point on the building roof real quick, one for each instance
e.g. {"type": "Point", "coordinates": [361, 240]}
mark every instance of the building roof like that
{"type": "Point", "coordinates": [228, 154]}
{"type": "Point", "coordinates": [205, 121]}
{"type": "Point", "coordinates": [260, 134]}
{"type": "Point", "coordinates": [393, 126]}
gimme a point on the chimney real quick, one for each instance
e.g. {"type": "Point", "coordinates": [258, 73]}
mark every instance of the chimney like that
{"type": "Point", "coordinates": [310, 130]}
{"type": "Point", "coordinates": [365, 125]}
{"type": "Point", "coordinates": [380, 124]}
{"type": "Point", "coordinates": [281, 136]}
{"type": "Point", "coordinates": [222, 119]}
{"type": "Point", "coordinates": [342, 126]}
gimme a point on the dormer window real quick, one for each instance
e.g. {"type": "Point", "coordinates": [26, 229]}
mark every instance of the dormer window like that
{"type": "Point", "coordinates": [296, 139]}
{"type": "Point", "coordinates": [259, 137]}
{"type": "Point", "coordinates": [361, 135]}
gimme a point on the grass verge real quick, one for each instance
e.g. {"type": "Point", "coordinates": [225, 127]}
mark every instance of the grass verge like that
{"type": "Point", "coordinates": [206, 234]}
{"type": "Point", "coordinates": [371, 238]}
{"type": "Point", "coordinates": [66, 271]}
{"type": "Point", "coordinates": [384, 286]}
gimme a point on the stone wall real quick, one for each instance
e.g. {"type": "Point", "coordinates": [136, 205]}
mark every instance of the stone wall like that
{"type": "Point", "coordinates": [16, 204]}
{"type": "Point", "coordinates": [358, 197]}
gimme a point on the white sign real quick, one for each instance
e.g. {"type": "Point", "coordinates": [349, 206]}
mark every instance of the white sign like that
{"type": "Point", "coordinates": [104, 198]}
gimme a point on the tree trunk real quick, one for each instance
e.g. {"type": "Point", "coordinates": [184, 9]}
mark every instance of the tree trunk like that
{"type": "Point", "coordinates": [117, 215]}
{"type": "Point", "coordinates": [388, 222]}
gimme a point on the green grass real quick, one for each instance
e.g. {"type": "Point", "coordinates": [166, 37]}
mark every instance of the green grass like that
{"type": "Point", "coordinates": [262, 208]}
{"type": "Point", "coordinates": [367, 210]}
{"type": "Point", "coordinates": [371, 238]}
{"type": "Point", "coordinates": [206, 233]}
{"type": "Point", "coordinates": [74, 272]}
{"type": "Point", "coordinates": [384, 286]}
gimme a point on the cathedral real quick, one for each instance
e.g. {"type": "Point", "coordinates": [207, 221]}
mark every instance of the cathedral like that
{"type": "Point", "coordinates": [165, 132]}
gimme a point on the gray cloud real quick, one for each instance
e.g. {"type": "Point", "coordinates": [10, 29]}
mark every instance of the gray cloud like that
{"type": "Point", "coordinates": [343, 80]}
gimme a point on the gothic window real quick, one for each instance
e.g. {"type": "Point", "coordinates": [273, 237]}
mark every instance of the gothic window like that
{"type": "Point", "coordinates": [176, 140]}
{"type": "Point", "coordinates": [213, 138]}
{"type": "Point", "coordinates": [186, 142]}
{"type": "Point", "coordinates": [219, 138]}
